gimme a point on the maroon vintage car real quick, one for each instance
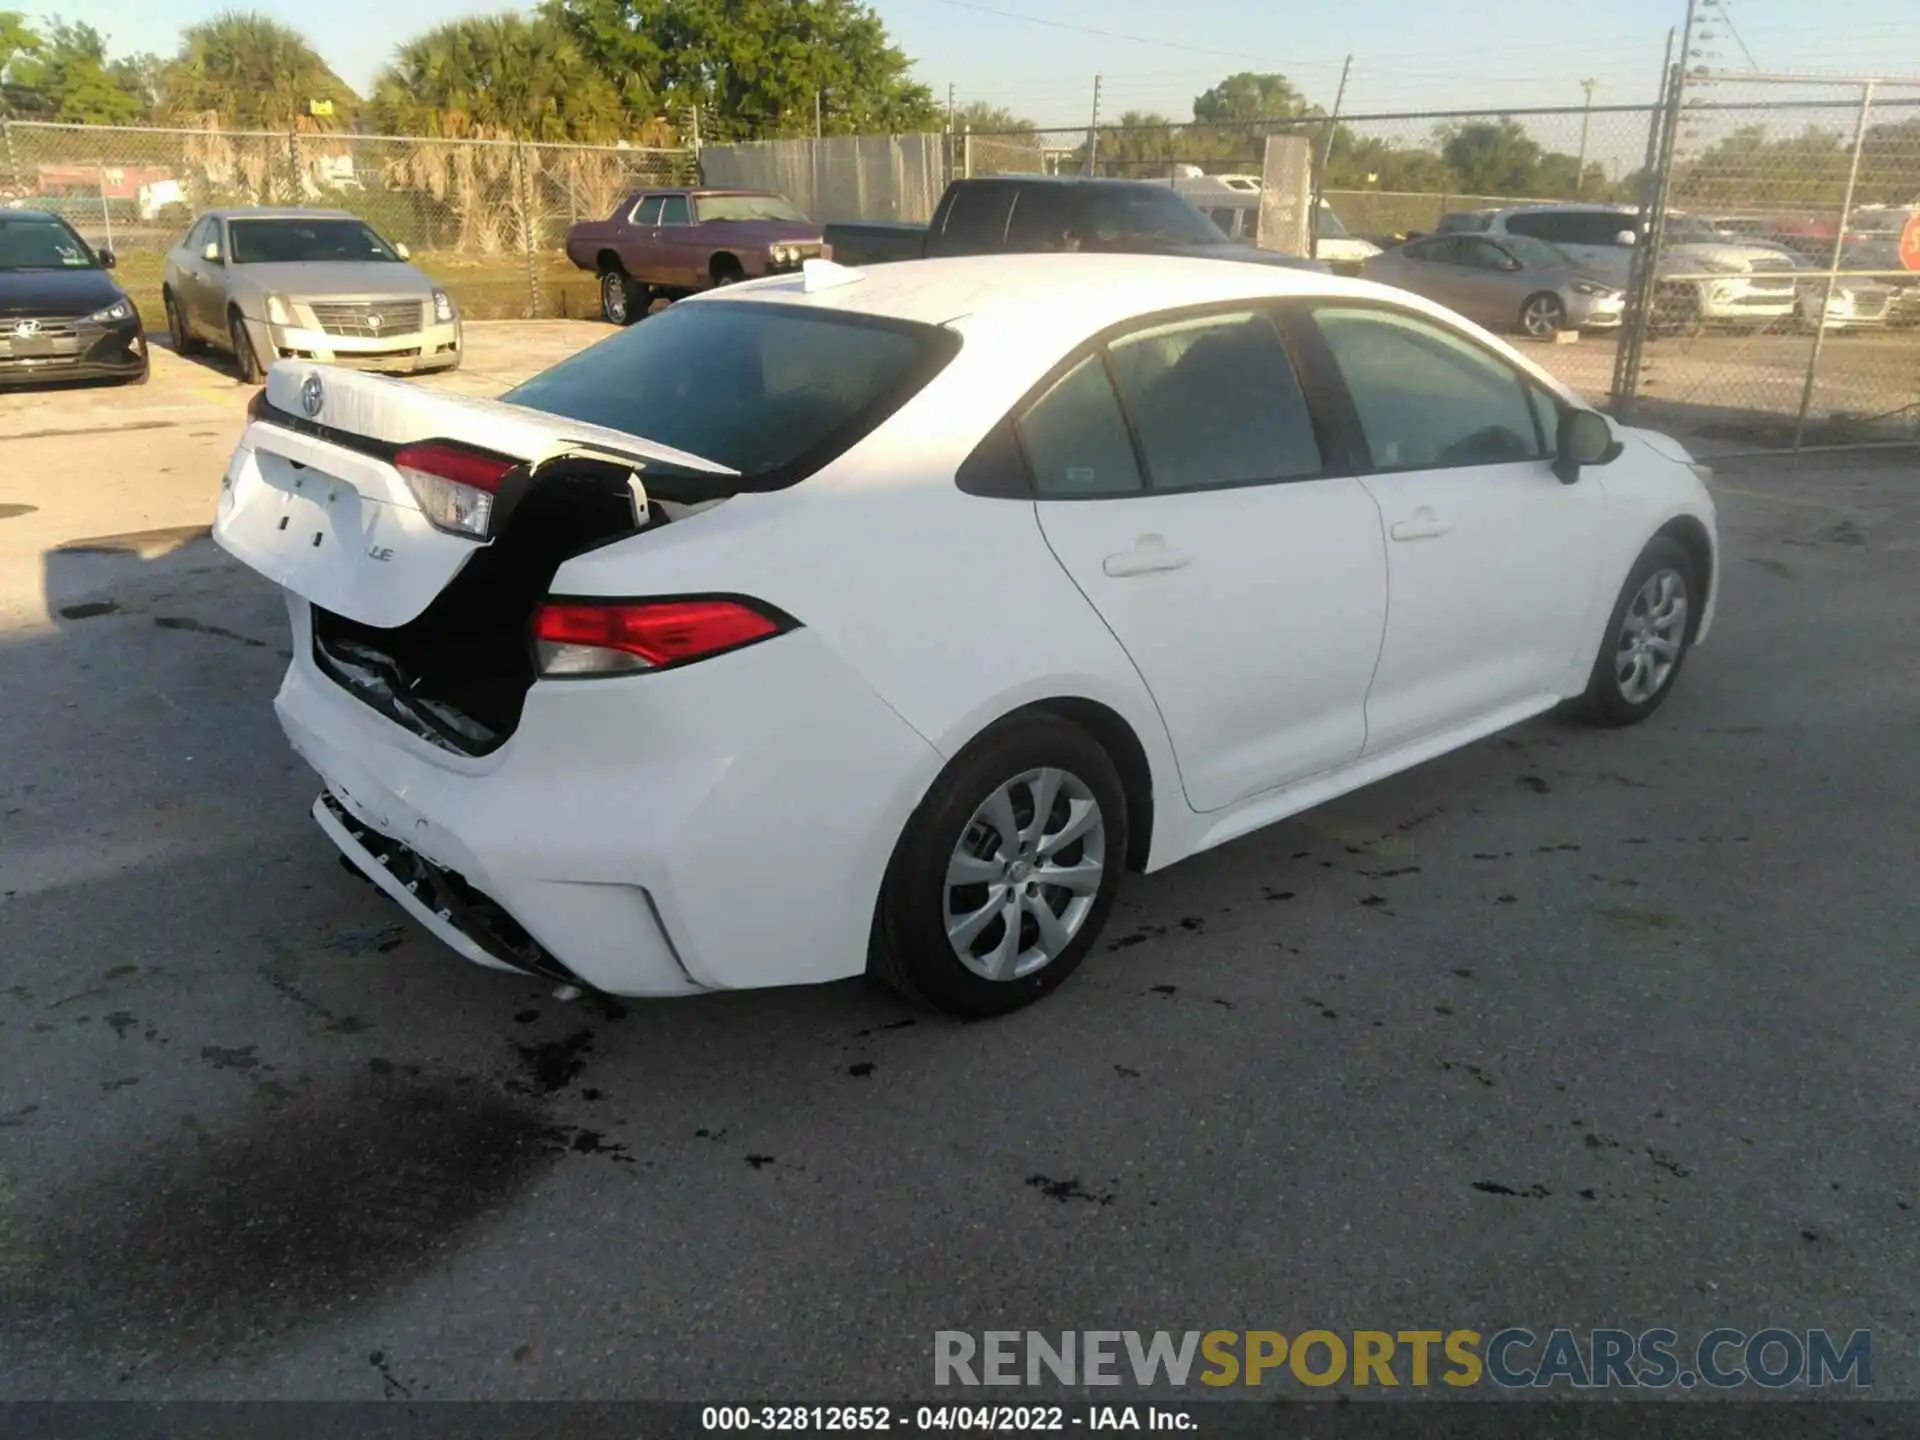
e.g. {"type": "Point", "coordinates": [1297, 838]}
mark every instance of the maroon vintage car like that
{"type": "Point", "coordinates": [670, 242]}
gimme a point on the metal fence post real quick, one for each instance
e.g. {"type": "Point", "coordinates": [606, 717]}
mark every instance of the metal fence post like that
{"type": "Point", "coordinates": [527, 238]}
{"type": "Point", "coordinates": [966, 154]}
{"type": "Point", "coordinates": [1642, 285]}
{"type": "Point", "coordinates": [1833, 264]}
{"type": "Point", "coordinates": [106, 210]}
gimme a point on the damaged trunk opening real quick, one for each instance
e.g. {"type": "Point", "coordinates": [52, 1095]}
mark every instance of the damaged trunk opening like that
{"type": "Point", "coordinates": [459, 672]}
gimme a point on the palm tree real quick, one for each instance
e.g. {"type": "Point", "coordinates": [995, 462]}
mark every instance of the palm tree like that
{"type": "Point", "coordinates": [498, 77]}
{"type": "Point", "coordinates": [253, 73]}
{"type": "Point", "coordinates": [502, 78]}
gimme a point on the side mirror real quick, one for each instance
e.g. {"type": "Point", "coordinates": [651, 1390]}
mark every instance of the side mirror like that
{"type": "Point", "coordinates": [211, 251]}
{"type": "Point", "coordinates": [402, 251]}
{"type": "Point", "coordinates": [1585, 438]}
{"type": "Point", "coordinates": [1627, 238]}
{"type": "Point", "coordinates": [106, 258]}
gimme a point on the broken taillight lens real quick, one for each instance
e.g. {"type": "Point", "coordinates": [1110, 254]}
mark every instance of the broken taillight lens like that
{"type": "Point", "coordinates": [577, 638]}
{"type": "Point", "coordinates": [454, 486]}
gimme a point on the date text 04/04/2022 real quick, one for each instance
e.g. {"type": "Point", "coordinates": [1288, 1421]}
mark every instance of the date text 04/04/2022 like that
{"type": "Point", "coordinates": [993, 1419]}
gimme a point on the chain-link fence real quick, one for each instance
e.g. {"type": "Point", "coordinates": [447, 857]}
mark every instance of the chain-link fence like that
{"type": "Point", "coordinates": [487, 219]}
{"type": "Point", "coordinates": [1763, 227]}
{"type": "Point", "coordinates": [1783, 304]}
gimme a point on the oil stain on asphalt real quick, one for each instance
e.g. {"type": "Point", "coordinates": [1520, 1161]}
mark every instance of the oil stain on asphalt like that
{"type": "Point", "coordinates": [211, 1242]}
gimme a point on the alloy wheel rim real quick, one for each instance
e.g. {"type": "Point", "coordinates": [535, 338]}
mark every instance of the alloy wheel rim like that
{"type": "Point", "coordinates": [613, 297]}
{"type": "Point", "coordinates": [1651, 635]}
{"type": "Point", "coordinates": [1542, 318]}
{"type": "Point", "coordinates": [1025, 874]}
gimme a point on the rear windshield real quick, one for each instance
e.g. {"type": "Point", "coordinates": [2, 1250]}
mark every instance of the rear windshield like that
{"type": "Point", "coordinates": [772, 391]}
{"type": "Point", "coordinates": [1119, 213]}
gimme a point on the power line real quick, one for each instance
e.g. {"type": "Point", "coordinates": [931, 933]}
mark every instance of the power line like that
{"type": "Point", "coordinates": [1726, 14]}
{"type": "Point", "coordinates": [1133, 39]}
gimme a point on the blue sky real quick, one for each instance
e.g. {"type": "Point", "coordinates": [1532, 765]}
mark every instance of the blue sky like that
{"type": "Point", "coordinates": [1408, 54]}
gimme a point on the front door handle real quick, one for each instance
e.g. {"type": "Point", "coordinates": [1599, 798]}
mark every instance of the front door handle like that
{"type": "Point", "coordinates": [1425, 525]}
{"type": "Point", "coordinates": [1149, 555]}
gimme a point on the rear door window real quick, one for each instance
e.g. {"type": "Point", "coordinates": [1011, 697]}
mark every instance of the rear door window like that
{"type": "Point", "coordinates": [647, 212]}
{"type": "Point", "coordinates": [1214, 402]}
{"type": "Point", "coordinates": [1041, 219]}
{"type": "Point", "coordinates": [674, 210]}
{"type": "Point", "coordinates": [976, 220]}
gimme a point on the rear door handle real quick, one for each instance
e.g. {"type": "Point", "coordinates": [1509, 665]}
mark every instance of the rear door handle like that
{"type": "Point", "coordinates": [1425, 525]}
{"type": "Point", "coordinates": [1149, 554]}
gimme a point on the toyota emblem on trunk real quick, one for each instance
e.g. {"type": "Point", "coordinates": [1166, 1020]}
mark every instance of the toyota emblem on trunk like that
{"type": "Point", "coordinates": [312, 397]}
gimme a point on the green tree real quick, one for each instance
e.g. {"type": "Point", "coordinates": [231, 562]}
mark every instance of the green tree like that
{"type": "Point", "coordinates": [987, 119]}
{"type": "Point", "coordinates": [1247, 97]}
{"type": "Point", "coordinates": [18, 45]}
{"type": "Point", "coordinates": [1491, 157]}
{"type": "Point", "coordinates": [758, 68]}
{"type": "Point", "coordinates": [498, 76]}
{"type": "Point", "coordinates": [65, 76]}
{"type": "Point", "coordinates": [253, 72]}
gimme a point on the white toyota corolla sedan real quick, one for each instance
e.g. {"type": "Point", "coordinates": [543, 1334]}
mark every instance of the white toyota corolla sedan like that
{"type": "Point", "coordinates": [879, 621]}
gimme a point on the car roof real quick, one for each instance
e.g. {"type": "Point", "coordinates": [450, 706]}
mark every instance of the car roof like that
{"type": "Point", "coordinates": [276, 212]}
{"type": "Point", "coordinates": [7, 212]}
{"type": "Point", "coordinates": [1075, 294]}
{"type": "Point", "coordinates": [1566, 207]}
{"type": "Point", "coordinates": [1104, 182]}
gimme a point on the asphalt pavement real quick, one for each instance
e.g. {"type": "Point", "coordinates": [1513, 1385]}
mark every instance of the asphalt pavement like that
{"type": "Point", "coordinates": [1570, 1028]}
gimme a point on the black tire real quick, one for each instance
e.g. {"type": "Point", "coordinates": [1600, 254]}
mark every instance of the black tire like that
{"type": "Point", "coordinates": [183, 339]}
{"type": "Point", "coordinates": [1676, 312]}
{"type": "Point", "coordinates": [246, 364]}
{"type": "Point", "coordinates": [726, 271]}
{"type": "Point", "coordinates": [1608, 701]}
{"type": "Point", "coordinates": [1552, 312]}
{"type": "Point", "coordinates": [911, 951]}
{"type": "Point", "coordinates": [618, 295]}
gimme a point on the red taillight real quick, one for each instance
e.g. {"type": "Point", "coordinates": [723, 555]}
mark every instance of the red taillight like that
{"type": "Point", "coordinates": [586, 638]}
{"type": "Point", "coordinates": [454, 486]}
{"type": "Point", "coordinates": [457, 464]}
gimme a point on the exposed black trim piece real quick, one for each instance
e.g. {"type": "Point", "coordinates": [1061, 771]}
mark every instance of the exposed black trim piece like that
{"type": "Point", "coordinates": [475, 915]}
{"type": "Point", "coordinates": [391, 704]}
{"type": "Point", "coordinates": [784, 623]}
{"type": "Point", "coordinates": [997, 468]}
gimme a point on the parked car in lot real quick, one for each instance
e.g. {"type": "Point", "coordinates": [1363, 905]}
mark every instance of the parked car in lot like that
{"type": "Point", "coordinates": [295, 284]}
{"type": "Point", "coordinates": [1716, 279]}
{"type": "Point", "coordinates": [61, 315]}
{"type": "Point", "coordinates": [664, 244]}
{"type": "Point", "coordinates": [882, 619]}
{"type": "Point", "coordinates": [1513, 283]}
{"type": "Point", "coordinates": [1232, 202]}
{"type": "Point", "coordinates": [1039, 214]}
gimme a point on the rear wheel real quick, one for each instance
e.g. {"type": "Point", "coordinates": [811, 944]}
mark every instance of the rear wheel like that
{"type": "Point", "coordinates": [618, 301]}
{"type": "Point", "coordinates": [246, 363]}
{"type": "Point", "coordinates": [1543, 316]}
{"type": "Point", "coordinates": [1647, 638]}
{"type": "Point", "coordinates": [1676, 311]}
{"type": "Point", "coordinates": [1006, 873]}
{"type": "Point", "coordinates": [183, 340]}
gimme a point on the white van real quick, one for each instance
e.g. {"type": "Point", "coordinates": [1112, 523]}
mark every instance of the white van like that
{"type": "Point", "coordinates": [1233, 203]}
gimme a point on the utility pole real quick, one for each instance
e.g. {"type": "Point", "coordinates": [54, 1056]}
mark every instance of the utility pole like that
{"type": "Point", "coordinates": [1586, 119]}
{"type": "Point", "coordinates": [1093, 128]}
{"type": "Point", "coordinates": [1318, 182]}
